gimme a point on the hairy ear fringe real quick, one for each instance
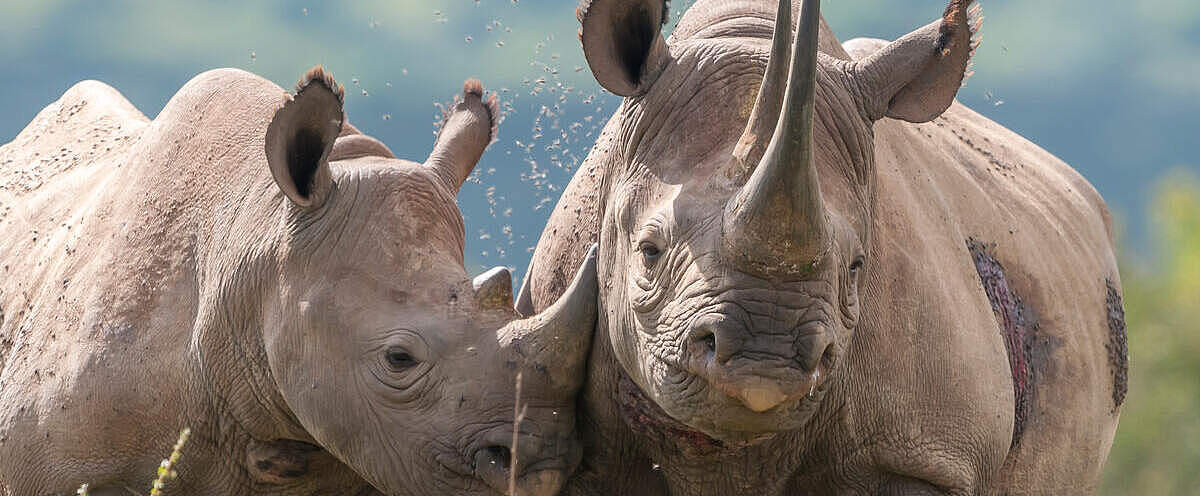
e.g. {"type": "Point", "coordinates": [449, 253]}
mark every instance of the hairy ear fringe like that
{"type": "Point", "coordinates": [491, 104]}
{"type": "Point", "coordinates": [960, 13]}
{"type": "Point", "coordinates": [318, 75]}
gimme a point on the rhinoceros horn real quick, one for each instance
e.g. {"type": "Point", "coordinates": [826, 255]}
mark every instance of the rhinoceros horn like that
{"type": "Point", "coordinates": [493, 289]}
{"type": "Point", "coordinates": [775, 224]}
{"type": "Point", "coordinates": [765, 116]}
{"type": "Point", "coordinates": [560, 336]}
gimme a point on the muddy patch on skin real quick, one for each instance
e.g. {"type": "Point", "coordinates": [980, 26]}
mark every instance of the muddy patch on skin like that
{"type": "Point", "coordinates": [1027, 350]}
{"type": "Point", "coordinates": [647, 419]}
{"type": "Point", "coordinates": [1118, 350]}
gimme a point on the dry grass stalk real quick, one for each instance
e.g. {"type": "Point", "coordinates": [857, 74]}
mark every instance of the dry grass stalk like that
{"type": "Point", "coordinates": [518, 416]}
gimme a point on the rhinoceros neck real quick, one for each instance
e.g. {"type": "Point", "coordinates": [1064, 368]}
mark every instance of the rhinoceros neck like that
{"type": "Point", "coordinates": [745, 19]}
{"type": "Point", "coordinates": [206, 167]}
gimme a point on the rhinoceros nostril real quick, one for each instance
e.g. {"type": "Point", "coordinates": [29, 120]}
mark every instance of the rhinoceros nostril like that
{"type": "Point", "coordinates": [709, 341]}
{"type": "Point", "coordinates": [500, 456]}
{"type": "Point", "coordinates": [813, 348]}
{"type": "Point", "coordinates": [703, 345]}
{"type": "Point", "coordinates": [827, 356]}
{"type": "Point", "coordinates": [714, 337]}
{"type": "Point", "coordinates": [493, 465]}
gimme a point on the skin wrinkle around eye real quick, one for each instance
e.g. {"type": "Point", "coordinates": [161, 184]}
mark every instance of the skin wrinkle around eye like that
{"type": "Point", "coordinates": [413, 386]}
{"type": "Point", "coordinates": [398, 390]}
{"type": "Point", "coordinates": [673, 259]}
{"type": "Point", "coordinates": [656, 231]}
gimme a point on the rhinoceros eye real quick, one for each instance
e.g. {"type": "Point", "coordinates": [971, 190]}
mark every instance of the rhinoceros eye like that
{"type": "Point", "coordinates": [856, 265]}
{"type": "Point", "coordinates": [649, 250]}
{"type": "Point", "coordinates": [399, 359]}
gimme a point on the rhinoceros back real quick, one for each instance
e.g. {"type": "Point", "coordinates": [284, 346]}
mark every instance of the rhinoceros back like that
{"type": "Point", "coordinates": [111, 227]}
{"type": "Point", "coordinates": [43, 173]}
{"type": "Point", "coordinates": [89, 125]}
{"type": "Point", "coordinates": [93, 191]}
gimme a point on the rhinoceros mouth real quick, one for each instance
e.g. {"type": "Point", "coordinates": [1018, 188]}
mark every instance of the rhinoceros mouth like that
{"type": "Point", "coordinates": [700, 418]}
{"type": "Point", "coordinates": [647, 418]}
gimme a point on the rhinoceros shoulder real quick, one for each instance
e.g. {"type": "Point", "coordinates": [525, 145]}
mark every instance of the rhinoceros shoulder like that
{"type": "Point", "coordinates": [223, 107]}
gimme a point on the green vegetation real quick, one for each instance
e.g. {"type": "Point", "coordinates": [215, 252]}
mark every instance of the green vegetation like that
{"type": "Point", "coordinates": [166, 469]}
{"type": "Point", "coordinates": [1157, 448]}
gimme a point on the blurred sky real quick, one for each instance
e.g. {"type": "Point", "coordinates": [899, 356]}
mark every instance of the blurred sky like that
{"type": "Point", "coordinates": [1112, 87]}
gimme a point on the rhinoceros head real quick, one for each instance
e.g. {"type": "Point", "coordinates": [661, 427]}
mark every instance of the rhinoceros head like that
{"type": "Point", "coordinates": [385, 351]}
{"type": "Point", "coordinates": [737, 219]}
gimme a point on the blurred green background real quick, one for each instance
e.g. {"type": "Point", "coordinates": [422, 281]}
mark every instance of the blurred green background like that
{"type": "Point", "coordinates": [1112, 87]}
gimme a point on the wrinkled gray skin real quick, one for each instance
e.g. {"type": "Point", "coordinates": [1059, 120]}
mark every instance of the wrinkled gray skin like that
{"type": "Point", "coordinates": [296, 298]}
{"type": "Point", "coordinates": [788, 301]}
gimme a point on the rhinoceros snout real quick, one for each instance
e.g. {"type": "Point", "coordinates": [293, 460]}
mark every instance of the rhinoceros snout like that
{"type": "Point", "coordinates": [542, 466]}
{"type": "Point", "coordinates": [760, 369]}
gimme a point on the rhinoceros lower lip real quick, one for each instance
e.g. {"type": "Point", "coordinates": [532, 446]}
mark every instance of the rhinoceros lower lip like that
{"type": "Point", "coordinates": [761, 395]}
{"type": "Point", "coordinates": [760, 399]}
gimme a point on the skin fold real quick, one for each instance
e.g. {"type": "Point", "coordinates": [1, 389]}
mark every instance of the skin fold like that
{"type": "Point", "coordinates": [251, 266]}
{"type": "Point", "coordinates": [820, 274]}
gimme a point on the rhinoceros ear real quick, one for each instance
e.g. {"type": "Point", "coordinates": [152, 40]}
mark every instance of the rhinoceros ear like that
{"type": "Point", "coordinates": [916, 77]}
{"type": "Point", "coordinates": [493, 289]}
{"type": "Point", "coordinates": [468, 127]}
{"type": "Point", "coordinates": [622, 41]}
{"type": "Point", "coordinates": [301, 135]}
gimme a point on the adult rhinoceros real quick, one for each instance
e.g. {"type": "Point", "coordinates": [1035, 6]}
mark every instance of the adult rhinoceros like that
{"type": "Point", "coordinates": [828, 280]}
{"type": "Point", "coordinates": [317, 331]}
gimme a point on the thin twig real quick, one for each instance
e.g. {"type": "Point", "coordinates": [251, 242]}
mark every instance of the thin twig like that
{"type": "Point", "coordinates": [518, 416]}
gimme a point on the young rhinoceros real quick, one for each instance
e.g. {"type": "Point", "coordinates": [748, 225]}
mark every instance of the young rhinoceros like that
{"type": "Point", "coordinates": [317, 332]}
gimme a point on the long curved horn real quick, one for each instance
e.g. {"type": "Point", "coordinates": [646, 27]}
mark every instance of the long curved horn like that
{"type": "Point", "coordinates": [560, 337]}
{"type": "Point", "coordinates": [765, 116]}
{"type": "Point", "coordinates": [776, 223]}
